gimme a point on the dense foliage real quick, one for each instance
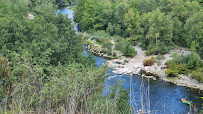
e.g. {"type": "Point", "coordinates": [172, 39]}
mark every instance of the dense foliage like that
{"type": "Point", "coordinates": [185, 64]}
{"type": "Point", "coordinates": [129, 51]}
{"type": "Point", "coordinates": [42, 68]}
{"type": "Point", "coordinates": [19, 34]}
{"type": "Point", "coordinates": [158, 24]}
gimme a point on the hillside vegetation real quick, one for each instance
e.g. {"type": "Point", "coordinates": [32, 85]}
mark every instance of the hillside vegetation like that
{"type": "Point", "coordinates": [157, 26]}
{"type": "Point", "coordinates": [42, 69]}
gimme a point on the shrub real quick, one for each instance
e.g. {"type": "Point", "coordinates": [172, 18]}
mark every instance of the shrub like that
{"type": "Point", "coordinates": [194, 62]}
{"type": "Point", "coordinates": [183, 69]}
{"type": "Point", "coordinates": [107, 44]}
{"type": "Point", "coordinates": [172, 73]}
{"type": "Point", "coordinates": [97, 38]}
{"type": "Point", "coordinates": [162, 48]}
{"type": "Point", "coordinates": [151, 52]}
{"type": "Point", "coordinates": [100, 36]}
{"type": "Point", "coordinates": [184, 65]}
{"type": "Point", "coordinates": [160, 57]}
{"type": "Point", "coordinates": [132, 41]}
{"type": "Point", "coordinates": [89, 42]}
{"type": "Point", "coordinates": [126, 61]}
{"type": "Point", "coordinates": [159, 49]}
{"type": "Point", "coordinates": [129, 51]}
{"type": "Point", "coordinates": [86, 36]}
{"type": "Point", "coordinates": [120, 45]}
{"type": "Point", "coordinates": [114, 54]}
{"type": "Point", "coordinates": [175, 69]}
{"type": "Point", "coordinates": [104, 50]}
{"type": "Point", "coordinates": [198, 75]}
{"type": "Point", "coordinates": [168, 62]}
{"type": "Point", "coordinates": [149, 62]}
{"type": "Point", "coordinates": [109, 52]}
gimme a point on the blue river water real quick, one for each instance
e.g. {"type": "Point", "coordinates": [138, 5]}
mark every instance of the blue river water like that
{"type": "Point", "coordinates": [165, 98]}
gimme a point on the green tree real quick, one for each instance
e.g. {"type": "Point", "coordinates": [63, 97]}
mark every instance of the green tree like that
{"type": "Point", "coordinates": [145, 6]}
{"type": "Point", "coordinates": [156, 27]}
{"type": "Point", "coordinates": [185, 10]}
{"type": "Point", "coordinates": [132, 21]}
{"type": "Point", "coordinates": [118, 19]}
{"type": "Point", "coordinates": [194, 31]}
{"type": "Point", "coordinates": [107, 12]}
{"type": "Point", "coordinates": [88, 15]}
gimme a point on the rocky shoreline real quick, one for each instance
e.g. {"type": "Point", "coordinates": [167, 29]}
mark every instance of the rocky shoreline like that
{"type": "Point", "coordinates": [135, 65]}
{"type": "Point", "coordinates": [186, 81]}
{"type": "Point", "coordinates": [97, 51]}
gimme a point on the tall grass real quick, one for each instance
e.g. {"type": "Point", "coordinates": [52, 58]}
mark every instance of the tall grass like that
{"type": "Point", "coordinates": [65, 89]}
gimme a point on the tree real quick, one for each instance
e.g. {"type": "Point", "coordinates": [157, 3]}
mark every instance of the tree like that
{"type": "Point", "coordinates": [132, 21]}
{"type": "Point", "coordinates": [145, 6]}
{"type": "Point", "coordinates": [36, 36]}
{"type": "Point", "coordinates": [167, 6]}
{"type": "Point", "coordinates": [120, 9]}
{"type": "Point", "coordinates": [178, 32]}
{"type": "Point", "coordinates": [185, 10]}
{"type": "Point", "coordinates": [88, 15]}
{"type": "Point", "coordinates": [107, 12]}
{"type": "Point", "coordinates": [156, 27]}
{"type": "Point", "coordinates": [194, 30]}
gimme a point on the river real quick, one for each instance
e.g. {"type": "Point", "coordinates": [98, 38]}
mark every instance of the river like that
{"type": "Point", "coordinates": [165, 98]}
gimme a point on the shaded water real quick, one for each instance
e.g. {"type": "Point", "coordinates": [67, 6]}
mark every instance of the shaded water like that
{"type": "Point", "coordinates": [164, 96]}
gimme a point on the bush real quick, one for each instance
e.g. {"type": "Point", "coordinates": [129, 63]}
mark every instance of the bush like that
{"type": "Point", "coordinates": [168, 62]}
{"type": "Point", "coordinates": [184, 65]}
{"type": "Point", "coordinates": [97, 38]}
{"type": "Point", "coordinates": [172, 73]}
{"type": "Point", "coordinates": [175, 69]}
{"type": "Point", "coordinates": [120, 44]}
{"type": "Point", "coordinates": [89, 42]}
{"type": "Point", "coordinates": [114, 54]}
{"type": "Point", "coordinates": [198, 75]}
{"type": "Point", "coordinates": [126, 61]}
{"type": "Point", "coordinates": [159, 49]}
{"type": "Point", "coordinates": [100, 36]}
{"type": "Point", "coordinates": [132, 41]}
{"type": "Point", "coordinates": [162, 48]}
{"type": "Point", "coordinates": [129, 51]}
{"type": "Point", "coordinates": [149, 62]}
{"type": "Point", "coordinates": [107, 44]}
{"type": "Point", "coordinates": [104, 50]}
{"type": "Point", "coordinates": [183, 69]}
{"type": "Point", "coordinates": [86, 36]}
{"type": "Point", "coordinates": [109, 52]}
{"type": "Point", "coordinates": [160, 57]}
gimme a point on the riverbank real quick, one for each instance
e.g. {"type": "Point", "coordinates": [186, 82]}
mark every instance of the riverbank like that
{"type": "Point", "coordinates": [125, 65]}
{"type": "Point", "coordinates": [97, 49]}
{"type": "Point", "coordinates": [135, 65]}
{"type": "Point", "coordinates": [169, 92]}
